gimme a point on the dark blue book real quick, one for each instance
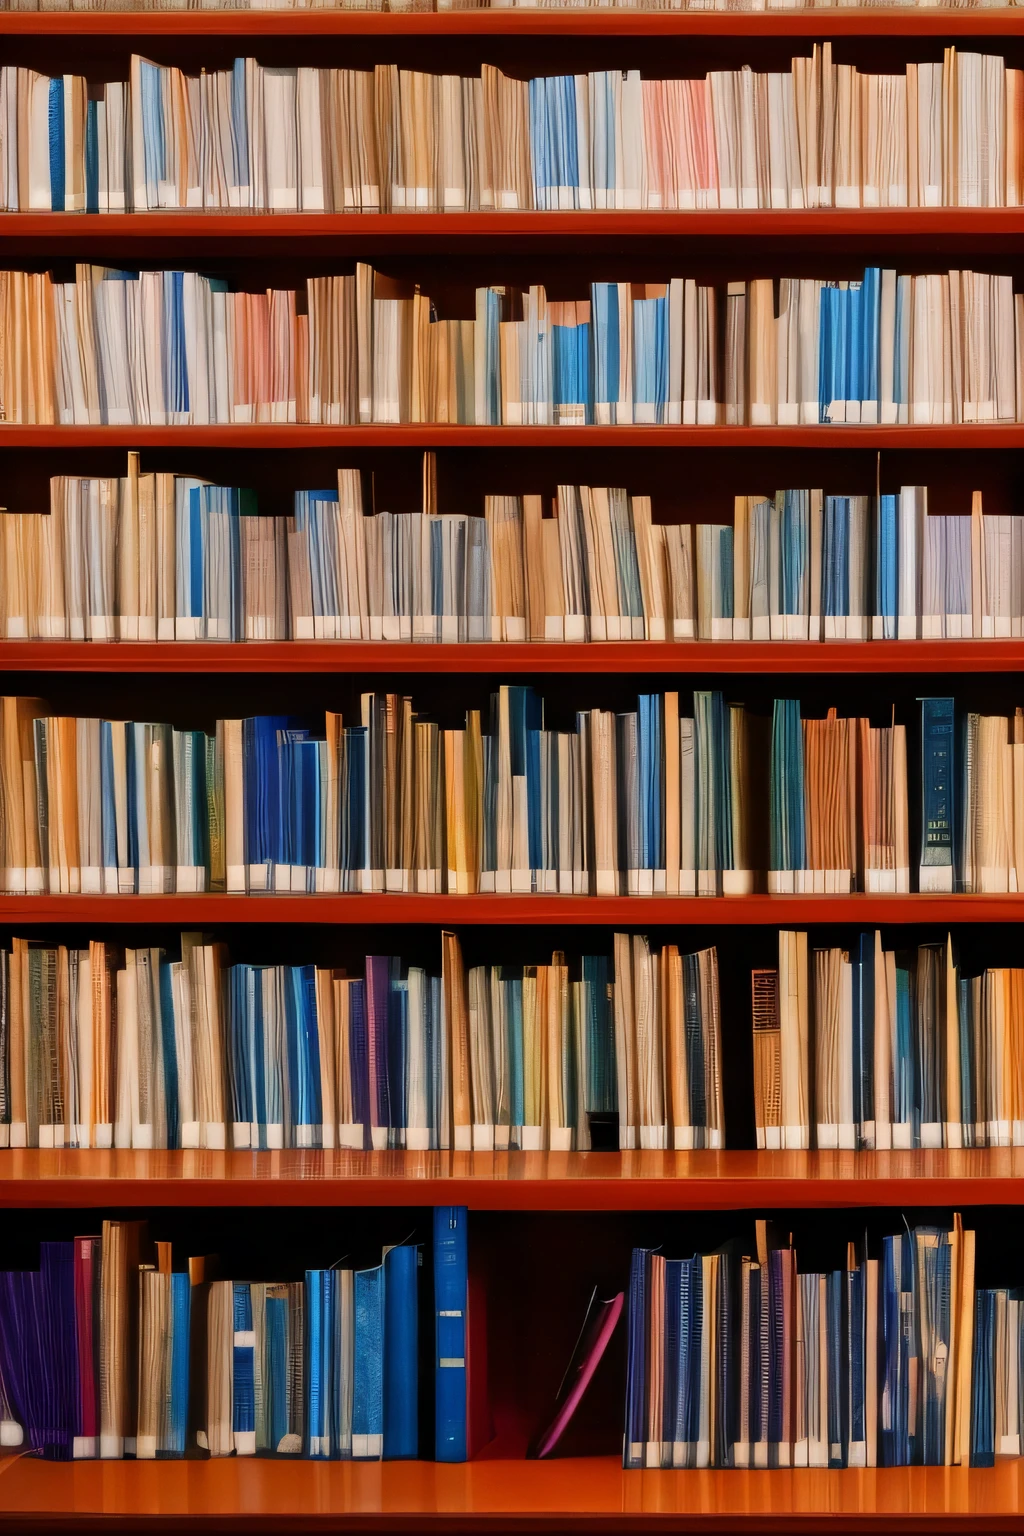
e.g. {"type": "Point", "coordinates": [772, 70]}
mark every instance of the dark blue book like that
{"type": "Point", "coordinates": [983, 1447]}
{"type": "Point", "coordinates": [56, 125]}
{"type": "Point", "coordinates": [243, 1407]}
{"type": "Point", "coordinates": [938, 794]}
{"type": "Point", "coordinates": [401, 1353]}
{"type": "Point", "coordinates": [864, 1038]}
{"type": "Point", "coordinates": [635, 1436]}
{"type": "Point", "coordinates": [451, 1302]}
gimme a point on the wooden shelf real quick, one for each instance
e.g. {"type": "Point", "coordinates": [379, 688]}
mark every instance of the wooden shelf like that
{"type": "Point", "coordinates": [430, 435]}
{"type": "Point", "coordinates": [631, 657]}
{"type": "Point", "coordinates": [524, 911]}
{"type": "Point", "coordinates": [514, 1181]}
{"type": "Point", "coordinates": [188, 233]}
{"type": "Point", "coordinates": [904, 21]}
{"type": "Point", "coordinates": [592, 1493]}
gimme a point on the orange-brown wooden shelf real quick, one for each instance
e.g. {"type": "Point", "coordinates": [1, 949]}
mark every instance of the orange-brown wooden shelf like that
{"type": "Point", "coordinates": [455, 911]}
{"type": "Point", "coordinates": [900, 21]}
{"type": "Point", "coordinates": [639, 657]}
{"type": "Point", "coordinates": [277, 435]}
{"type": "Point", "coordinates": [513, 1181]}
{"type": "Point", "coordinates": [592, 1493]}
{"type": "Point", "coordinates": [256, 232]}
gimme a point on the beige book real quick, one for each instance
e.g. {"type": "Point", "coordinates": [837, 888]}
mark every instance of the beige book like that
{"type": "Point", "coordinates": [794, 1026]}
{"type": "Point", "coordinates": [767, 1043]}
{"type": "Point", "coordinates": [456, 1017]}
{"type": "Point", "coordinates": [625, 1040]}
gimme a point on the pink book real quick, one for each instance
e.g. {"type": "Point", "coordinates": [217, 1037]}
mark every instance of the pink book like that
{"type": "Point", "coordinates": [598, 1327]}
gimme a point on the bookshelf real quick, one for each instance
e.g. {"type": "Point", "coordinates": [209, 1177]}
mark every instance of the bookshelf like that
{"type": "Point", "coordinates": [514, 1181]}
{"type": "Point", "coordinates": [279, 910]}
{"type": "Point", "coordinates": [586, 1494]}
{"type": "Point", "coordinates": [795, 658]}
{"type": "Point", "coordinates": [426, 435]}
{"type": "Point", "coordinates": [500, 1491]}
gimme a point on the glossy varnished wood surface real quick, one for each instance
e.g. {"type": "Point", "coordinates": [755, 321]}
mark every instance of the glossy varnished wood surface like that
{"type": "Point", "coordinates": [513, 1181]}
{"type": "Point", "coordinates": [593, 1493]}
{"type": "Point", "coordinates": [639, 657]}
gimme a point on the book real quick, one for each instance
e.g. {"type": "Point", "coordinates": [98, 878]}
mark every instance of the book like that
{"type": "Point", "coordinates": [599, 1323]}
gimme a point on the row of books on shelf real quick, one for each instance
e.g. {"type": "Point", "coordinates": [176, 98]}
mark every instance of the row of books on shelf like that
{"type": "Point", "coordinates": [735, 1358]}
{"type": "Point", "coordinates": [644, 802]}
{"type": "Point", "coordinates": [822, 135]}
{"type": "Point", "coordinates": [106, 1351]}
{"type": "Point", "coordinates": [177, 348]}
{"type": "Point", "coordinates": [874, 1048]}
{"type": "Point", "coordinates": [103, 1047]}
{"type": "Point", "coordinates": [739, 1358]}
{"type": "Point", "coordinates": [863, 1048]}
{"type": "Point", "coordinates": [172, 557]}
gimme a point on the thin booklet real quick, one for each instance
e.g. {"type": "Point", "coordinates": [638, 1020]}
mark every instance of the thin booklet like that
{"type": "Point", "coordinates": [599, 1324]}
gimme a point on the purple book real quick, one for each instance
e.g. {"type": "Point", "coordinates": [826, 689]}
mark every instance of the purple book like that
{"type": "Point", "coordinates": [39, 1351]}
{"type": "Point", "coordinates": [595, 1335]}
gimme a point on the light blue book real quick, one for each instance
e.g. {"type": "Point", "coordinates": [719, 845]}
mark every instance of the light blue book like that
{"type": "Point", "coordinates": [322, 1363]}
{"type": "Point", "coordinates": [885, 621]}
{"type": "Point", "coordinates": [305, 1105]}
{"type": "Point", "coordinates": [368, 1391]}
{"type": "Point", "coordinates": [177, 1405]}
{"type": "Point", "coordinates": [609, 405]}
{"type": "Point", "coordinates": [243, 1406]}
{"type": "Point", "coordinates": [787, 828]}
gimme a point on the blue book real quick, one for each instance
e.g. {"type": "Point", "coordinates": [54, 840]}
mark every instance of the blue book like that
{"type": "Point", "coordinates": [169, 1055]}
{"type": "Point", "coordinates": [983, 1446]}
{"type": "Point", "coordinates": [92, 158]}
{"type": "Point", "coordinates": [651, 359]}
{"type": "Point", "coordinates": [672, 1398]}
{"type": "Point", "coordinates": [368, 1387]}
{"type": "Point", "coordinates": [856, 1346]}
{"type": "Point", "coordinates": [401, 1353]}
{"type": "Point", "coordinates": [177, 1414]}
{"type": "Point", "coordinates": [634, 1445]}
{"type": "Point", "coordinates": [787, 821]}
{"type": "Point", "coordinates": [691, 1287]}
{"type": "Point", "coordinates": [239, 126]}
{"type": "Point", "coordinates": [516, 1065]}
{"type": "Point", "coordinates": [650, 775]}
{"type": "Point", "coordinates": [56, 126]}
{"type": "Point", "coordinates": [835, 1287]}
{"type": "Point", "coordinates": [305, 1107]}
{"type": "Point", "coordinates": [451, 1304]}
{"type": "Point", "coordinates": [938, 794]}
{"type": "Point", "coordinates": [243, 1406]}
{"type": "Point", "coordinates": [322, 1366]}
{"type": "Point", "coordinates": [864, 1038]}
{"type": "Point", "coordinates": [604, 311]}
{"type": "Point", "coordinates": [886, 570]}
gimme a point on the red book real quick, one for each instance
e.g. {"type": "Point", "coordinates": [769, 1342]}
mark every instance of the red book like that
{"type": "Point", "coordinates": [595, 1335]}
{"type": "Point", "coordinates": [87, 1293]}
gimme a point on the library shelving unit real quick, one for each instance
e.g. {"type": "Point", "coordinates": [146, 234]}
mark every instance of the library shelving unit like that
{"type": "Point", "coordinates": [560, 1210]}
